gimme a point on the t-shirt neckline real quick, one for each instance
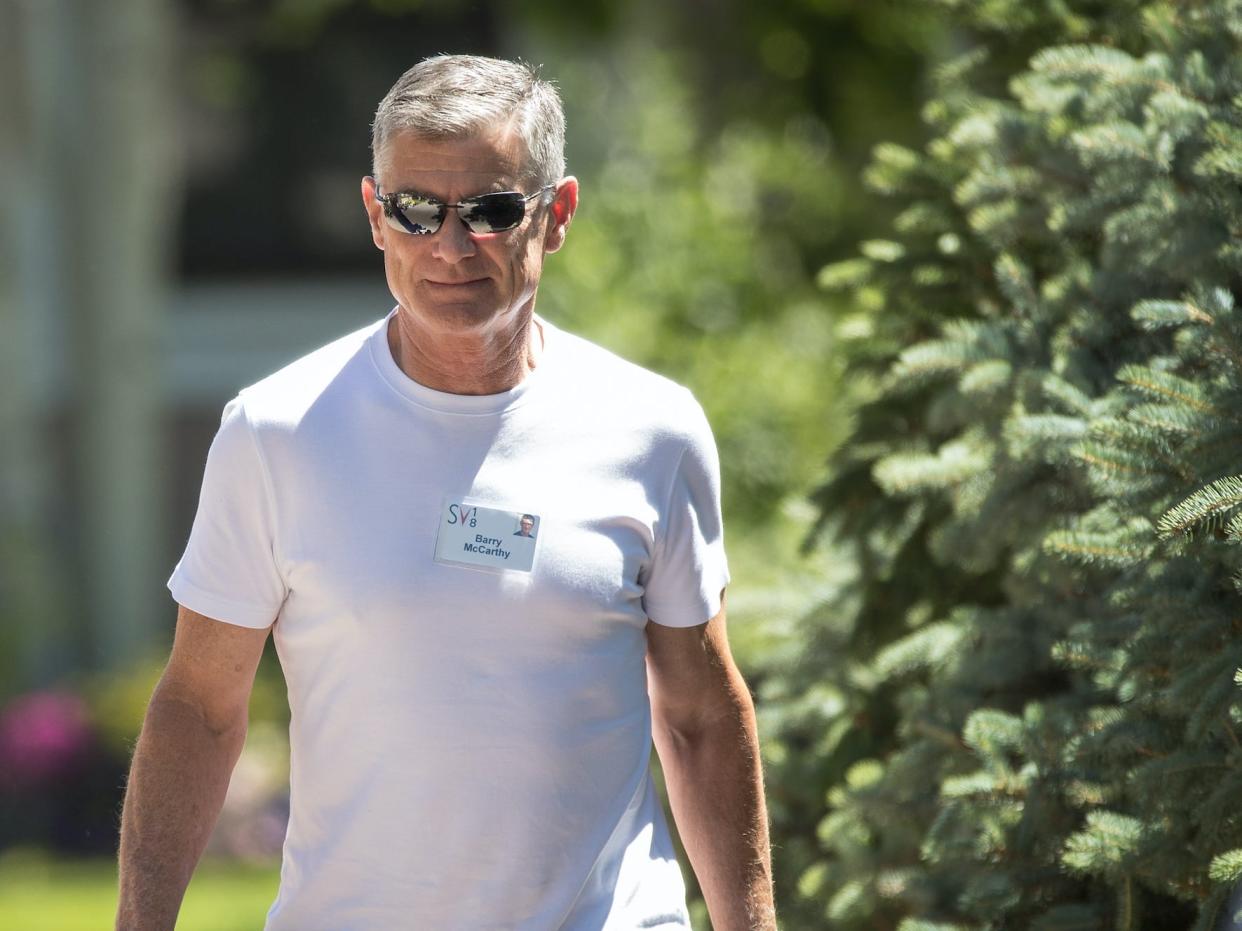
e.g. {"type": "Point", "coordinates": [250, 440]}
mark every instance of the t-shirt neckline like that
{"type": "Point", "coordinates": [445, 401]}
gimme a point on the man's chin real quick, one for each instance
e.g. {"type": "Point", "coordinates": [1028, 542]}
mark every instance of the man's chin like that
{"type": "Point", "coordinates": [463, 313]}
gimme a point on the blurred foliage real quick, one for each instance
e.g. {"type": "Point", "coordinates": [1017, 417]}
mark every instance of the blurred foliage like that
{"type": "Point", "coordinates": [34, 607]}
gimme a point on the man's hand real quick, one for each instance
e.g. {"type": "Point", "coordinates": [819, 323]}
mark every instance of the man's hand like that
{"type": "Point", "coordinates": [703, 723]}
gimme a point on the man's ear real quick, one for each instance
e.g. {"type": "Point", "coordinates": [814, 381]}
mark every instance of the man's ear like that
{"type": "Point", "coordinates": [375, 211]}
{"type": "Point", "coordinates": [561, 212]}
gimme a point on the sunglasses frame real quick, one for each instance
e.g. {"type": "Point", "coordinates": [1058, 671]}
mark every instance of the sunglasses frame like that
{"type": "Point", "coordinates": [398, 220]}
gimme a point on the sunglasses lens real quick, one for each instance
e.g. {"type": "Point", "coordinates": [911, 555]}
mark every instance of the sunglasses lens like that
{"type": "Point", "coordinates": [492, 213]}
{"type": "Point", "coordinates": [487, 213]}
{"type": "Point", "coordinates": [419, 217]}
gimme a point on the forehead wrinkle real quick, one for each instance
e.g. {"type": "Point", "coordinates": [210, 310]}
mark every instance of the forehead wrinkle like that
{"type": "Point", "coordinates": [466, 191]}
{"type": "Point", "coordinates": [497, 166]}
{"type": "Point", "coordinates": [450, 185]}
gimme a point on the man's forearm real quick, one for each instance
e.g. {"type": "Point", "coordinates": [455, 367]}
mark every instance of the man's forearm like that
{"type": "Point", "coordinates": [177, 783]}
{"type": "Point", "coordinates": [715, 786]}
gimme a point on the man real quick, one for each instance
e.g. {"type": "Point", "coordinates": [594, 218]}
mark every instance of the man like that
{"type": "Point", "coordinates": [471, 724]}
{"type": "Point", "coordinates": [525, 525]}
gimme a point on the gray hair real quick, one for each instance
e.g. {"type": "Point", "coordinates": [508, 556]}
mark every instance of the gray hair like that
{"type": "Point", "coordinates": [459, 96]}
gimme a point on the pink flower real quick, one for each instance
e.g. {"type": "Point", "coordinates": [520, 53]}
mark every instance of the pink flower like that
{"type": "Point", "coordinates": [42, 736]}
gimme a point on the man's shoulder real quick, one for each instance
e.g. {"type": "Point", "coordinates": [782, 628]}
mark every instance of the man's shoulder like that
{"type": "Point", "coordinates": [656, 416]}
{"type": "Point", "coordinates": [287, 393]}
{"type": "Point", "coordinates": [592, 365]}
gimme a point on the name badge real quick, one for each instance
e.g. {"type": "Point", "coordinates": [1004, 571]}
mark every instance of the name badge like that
{"type": "Point", "coordinates": [486, 538]}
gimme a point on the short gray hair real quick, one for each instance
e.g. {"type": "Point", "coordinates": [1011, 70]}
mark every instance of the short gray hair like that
{"type": "Point", "coordinates": [460, 96]}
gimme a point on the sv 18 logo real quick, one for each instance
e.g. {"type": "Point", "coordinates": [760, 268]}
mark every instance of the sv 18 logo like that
{"type": "Point", "coordinates": [460, 514]}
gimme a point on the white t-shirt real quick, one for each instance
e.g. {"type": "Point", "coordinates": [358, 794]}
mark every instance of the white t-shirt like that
{"type": "Point", "coordinates": [469, 743]}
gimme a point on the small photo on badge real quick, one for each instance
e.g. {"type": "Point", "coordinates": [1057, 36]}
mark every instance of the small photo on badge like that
{"type": "Point", "coordinates": [526, 526]}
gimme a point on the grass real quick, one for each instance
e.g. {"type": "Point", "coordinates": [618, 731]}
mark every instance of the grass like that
{"type": "Point", "coordinates": [40, 893]}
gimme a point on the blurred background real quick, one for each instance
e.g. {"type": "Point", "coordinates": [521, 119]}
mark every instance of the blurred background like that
{"type": "Point", "coordinates": [179, 181]}
{"type": "Point", "coordinates": [181, 216]}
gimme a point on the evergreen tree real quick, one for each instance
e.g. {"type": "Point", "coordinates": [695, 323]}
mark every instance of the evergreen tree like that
{"type": "Point", "coordinates": [1023, 713]}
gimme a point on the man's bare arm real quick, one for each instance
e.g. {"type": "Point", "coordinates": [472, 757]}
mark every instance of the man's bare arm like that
{"type": "Point", "coordinates": [703, 724]}
{"type": "Point", "coordinates": [191, 738]}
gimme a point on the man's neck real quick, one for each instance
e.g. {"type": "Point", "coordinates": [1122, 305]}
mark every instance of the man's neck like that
{"type": "Point", "coordinates": [473, 363]}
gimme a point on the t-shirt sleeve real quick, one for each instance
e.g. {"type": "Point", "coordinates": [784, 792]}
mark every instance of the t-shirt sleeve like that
{"type": "Point", "coordinates": [229, 570]}
{"type": "Point", "coordinates": [688, 568]}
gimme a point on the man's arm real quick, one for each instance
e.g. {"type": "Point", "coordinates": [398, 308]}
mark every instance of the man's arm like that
{"type": "Point", "coordinates": [191, 738]}
{"type": "Point", "coordinates": [703, 723]}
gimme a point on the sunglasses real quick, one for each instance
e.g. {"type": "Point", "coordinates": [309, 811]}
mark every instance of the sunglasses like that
{"type": "Point", "coordinates": [419, 215]}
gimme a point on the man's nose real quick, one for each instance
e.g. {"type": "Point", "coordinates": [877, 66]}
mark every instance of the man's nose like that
{"type": "Point", "coordinates": [452, 241]}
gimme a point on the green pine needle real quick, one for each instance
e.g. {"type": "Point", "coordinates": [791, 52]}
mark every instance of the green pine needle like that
{"type": "Point", "coordinates": [1226, 867]}
{"type": "Point", "coordinates": [1155, 315]}
{"type": "Point", "coordinates": [1164, 386]}
{"type": "Point", "coordinates": [1104, 845]}
{"type": "Point", "coordinates": [1207, 505]}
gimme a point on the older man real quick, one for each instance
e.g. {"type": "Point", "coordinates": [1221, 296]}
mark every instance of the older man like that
{"type": "Point", "coordinates": [471, 723]}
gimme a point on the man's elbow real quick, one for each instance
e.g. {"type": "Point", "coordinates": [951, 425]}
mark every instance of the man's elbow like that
{"type": "Point", "coordinates": [729, 714]}
{"type": "Point", "coordinates": [170, 707]}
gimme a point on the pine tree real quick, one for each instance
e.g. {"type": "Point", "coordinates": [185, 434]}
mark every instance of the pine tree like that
{"type": "Point", "coordinates": [1024, 713]}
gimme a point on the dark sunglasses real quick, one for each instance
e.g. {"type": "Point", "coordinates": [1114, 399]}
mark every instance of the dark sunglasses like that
{"type": "Point", "coordinates": [487, 213]}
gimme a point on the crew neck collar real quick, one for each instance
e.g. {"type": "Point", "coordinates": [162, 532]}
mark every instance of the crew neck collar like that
{"type": "Point", "coordinates": [445, 401]}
